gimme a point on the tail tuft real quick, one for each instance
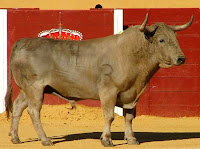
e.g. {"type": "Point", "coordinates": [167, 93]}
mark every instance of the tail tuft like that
{"type": "Point", "coordinates": [9, 94]}
{"type": "Point", "coordinates": [9, 104]}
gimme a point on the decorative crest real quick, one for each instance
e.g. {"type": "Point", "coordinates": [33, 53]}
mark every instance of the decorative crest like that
{"type": "Point", "coordinates": [64, 34]}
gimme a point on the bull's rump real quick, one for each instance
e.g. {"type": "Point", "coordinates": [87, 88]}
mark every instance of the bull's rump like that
{"type": "Point", "coordinates": [60, 64]}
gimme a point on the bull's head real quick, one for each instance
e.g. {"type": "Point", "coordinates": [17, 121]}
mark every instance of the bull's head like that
{"type": "Point", "coordinates": [162, 38]}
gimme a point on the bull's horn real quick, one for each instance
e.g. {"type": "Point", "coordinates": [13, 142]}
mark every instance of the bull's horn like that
{"type": "Point", "coordinates": [143, 26]}
{"type": "Point", "coordinates": [182, 27]}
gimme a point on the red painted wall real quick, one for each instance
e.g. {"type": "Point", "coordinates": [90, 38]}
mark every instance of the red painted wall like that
{"type": "Point", "coordinates": [172, 92]}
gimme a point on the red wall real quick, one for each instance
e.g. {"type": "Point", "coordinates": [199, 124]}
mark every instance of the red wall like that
{"type": "Point", "coordinates": [172, 92]}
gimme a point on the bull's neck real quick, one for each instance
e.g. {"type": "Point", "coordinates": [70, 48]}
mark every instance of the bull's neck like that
{"type": "Point", "coordinates": [148, 68]}
{"type": "Point", "coordinates": [141, 53]}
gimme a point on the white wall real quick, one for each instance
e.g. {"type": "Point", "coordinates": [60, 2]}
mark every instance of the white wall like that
{"type": "Point", "coordinates": [118, 27]}
{"type": "Point", "coordinates": [3, 58]}
{"type": "Point", "coordinates": [118, 20]}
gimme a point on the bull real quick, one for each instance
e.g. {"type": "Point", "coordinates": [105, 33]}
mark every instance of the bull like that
{"type": "Point", "coordinates": [114, 69]}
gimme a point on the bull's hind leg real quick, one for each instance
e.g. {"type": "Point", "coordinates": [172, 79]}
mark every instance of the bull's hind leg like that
{"type": "Point", "coordinates": [108, 101]}
{"type": "Point", "coordinates": [19, 105]}
{"type": "Point", "coordinates": [35, 95]}
{"type": "Point", "coordinates": [129, 135]}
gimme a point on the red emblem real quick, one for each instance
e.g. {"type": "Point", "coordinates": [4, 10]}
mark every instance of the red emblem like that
{"type": "Point", "coordinates": [65, 34]}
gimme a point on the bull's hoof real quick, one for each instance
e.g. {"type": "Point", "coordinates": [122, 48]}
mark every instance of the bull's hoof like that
{"type": "Point", "coordinates": [132, 141]}
{"type": "Point", "coordinates": [47, 143]}
{"type": "Point", "coordinates": [107, 142]}
{"type": "Point", "coordinates": [16, 141]}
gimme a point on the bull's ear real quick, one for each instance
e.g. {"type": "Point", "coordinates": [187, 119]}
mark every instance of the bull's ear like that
{"type": "Point", "coordinates": [148, 34]}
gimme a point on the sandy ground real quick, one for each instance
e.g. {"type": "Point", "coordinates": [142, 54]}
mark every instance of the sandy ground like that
{"type": "Point", "coordinates": [81, 128]}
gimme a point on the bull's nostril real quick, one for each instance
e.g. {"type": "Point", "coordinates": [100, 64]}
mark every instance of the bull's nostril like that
{"type": "Point", "coordinates": [181, 60]}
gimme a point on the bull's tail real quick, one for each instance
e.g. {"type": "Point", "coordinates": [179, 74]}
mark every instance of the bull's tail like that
{"type": "Point", "coordinates": [9, 94]}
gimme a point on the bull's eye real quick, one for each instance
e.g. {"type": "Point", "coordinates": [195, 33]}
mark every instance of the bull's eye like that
{"type": "Point", "coordinates": [162, 40]}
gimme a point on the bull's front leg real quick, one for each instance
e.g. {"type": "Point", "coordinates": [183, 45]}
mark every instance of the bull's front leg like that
{"type": "Point", "coordinates": [129, 135]}
{"type": "Point", "coordinates": [108, 101]}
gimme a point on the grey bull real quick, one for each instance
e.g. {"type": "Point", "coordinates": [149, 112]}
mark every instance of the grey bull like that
{"type": "Point", "coordinates": [114, 69]}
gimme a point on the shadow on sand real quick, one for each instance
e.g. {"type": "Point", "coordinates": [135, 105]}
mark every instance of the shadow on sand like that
{"type": "Point", "coordinates": [141, 136]}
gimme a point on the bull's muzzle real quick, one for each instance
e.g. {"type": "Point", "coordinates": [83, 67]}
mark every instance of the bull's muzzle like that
{"type": "Point", "coordinates": [180, 60]}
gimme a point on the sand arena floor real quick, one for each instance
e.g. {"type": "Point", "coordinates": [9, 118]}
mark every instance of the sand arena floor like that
{"type": "Point", "coordinates": [82, 128]}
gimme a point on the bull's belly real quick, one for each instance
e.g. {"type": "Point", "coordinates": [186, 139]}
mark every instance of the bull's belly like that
{"type": "Point", "coordinates": [76, 92]}
{"type": "Point", "coordinates": [74, 86]}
